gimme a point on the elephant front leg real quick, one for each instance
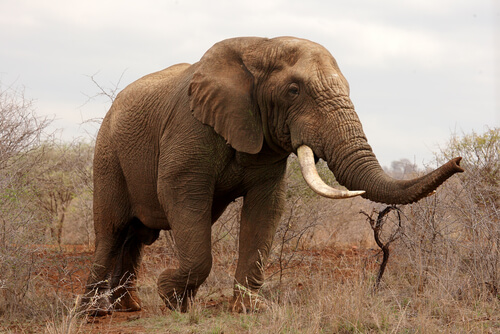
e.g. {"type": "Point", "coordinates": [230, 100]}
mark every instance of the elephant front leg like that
{"type": "Point", "coordinates": [260, 216]}
{"type": "Point", "coordinates": [177, 287]}
{"type": "Point", "coordinates": [190, 222]}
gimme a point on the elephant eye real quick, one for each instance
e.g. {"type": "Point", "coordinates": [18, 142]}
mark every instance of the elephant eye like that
{"type": "Point", "coordinates": [293, 89]}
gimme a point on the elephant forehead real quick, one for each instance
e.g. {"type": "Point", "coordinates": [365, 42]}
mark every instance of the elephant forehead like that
{"type": "Point", "coordinates": [318, 68]}
{"type": "Point", "coordinates": [318, 59]}
{"type": "Point", "coordinates": [325, 79]}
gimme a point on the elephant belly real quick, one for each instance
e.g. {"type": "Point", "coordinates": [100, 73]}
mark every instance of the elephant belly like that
{"type": "Point", "coordinates": [145, 204]}
{"type": "Point", "coordinates": [152, 217]}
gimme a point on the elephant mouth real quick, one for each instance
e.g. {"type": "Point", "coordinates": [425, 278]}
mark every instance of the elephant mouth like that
{"type": "Point", "coordinates": [316, 158]}
{"type": "Point", "coordinates": [307, 162]}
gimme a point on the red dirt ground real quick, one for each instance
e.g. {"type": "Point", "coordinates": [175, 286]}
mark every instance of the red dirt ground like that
{"type": "Point", "coordinates": [67, 270]}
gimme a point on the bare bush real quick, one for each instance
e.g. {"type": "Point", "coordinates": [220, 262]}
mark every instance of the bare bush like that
{"type": "Point", "coordinates": [20, 133]}
{"type": "Point", "coordinates": [452, 239]}
{"type": "Point", "coordinates": [20, 128]}
{"type": "Point", "coordinates": [63, 176]}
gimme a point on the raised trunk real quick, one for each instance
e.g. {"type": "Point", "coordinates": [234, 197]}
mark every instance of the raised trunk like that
{"type": "Point", "coordinates": [339, 140]}
{"type": "Point", "coordinates": [356, 167]}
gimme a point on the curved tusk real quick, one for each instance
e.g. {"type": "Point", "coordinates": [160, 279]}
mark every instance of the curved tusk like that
{"type": "Point", "coordinates": [310, 174]}
{"type": "Point", "coordinates": [431, 193]}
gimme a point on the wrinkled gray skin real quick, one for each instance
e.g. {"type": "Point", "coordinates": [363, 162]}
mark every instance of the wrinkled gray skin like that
{"type": "Point", "coordinates": [179, 145]}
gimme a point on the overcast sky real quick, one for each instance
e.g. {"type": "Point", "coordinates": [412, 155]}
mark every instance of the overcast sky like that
{"type": "Point", "coordinates": [419, 70]}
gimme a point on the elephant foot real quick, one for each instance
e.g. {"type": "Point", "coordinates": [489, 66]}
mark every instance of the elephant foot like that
{"type": "Point", "coordinates": [248, 302]}
{"type": "Point", "coordinates": [175, 298]}
{"type": "Point", "coordinates": [126, 300]}
{"type": "Point", "coordinates": [177, 303]}
{"type": "Point", "coordinates": [95, 306]}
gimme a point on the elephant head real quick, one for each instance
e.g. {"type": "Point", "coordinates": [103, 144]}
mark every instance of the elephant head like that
{"type": "Point", "coordinates": [288, 95]}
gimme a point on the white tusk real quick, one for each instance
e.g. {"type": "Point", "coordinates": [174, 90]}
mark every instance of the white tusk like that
{"type": "Point", "coordinates": [431, 193]}
{"type": "Point", "coordinates": [310, 174]}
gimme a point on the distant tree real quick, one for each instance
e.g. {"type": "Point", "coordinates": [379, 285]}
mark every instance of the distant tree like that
{"type": "Point", "coordinates": [481, 161]}
{"type": "Point", "coordinates": [458, 228]}
{"type": "Point", "coordinates": [402, 169]}
{"type": "Point", "coordinates": [62, 175]}
{"type": "Point", "coordinates": [20, 128]}
{"type": "Point", "coordinates": [21, 132]}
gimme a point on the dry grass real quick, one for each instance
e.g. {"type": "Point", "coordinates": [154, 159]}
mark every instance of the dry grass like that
{"type": "Point", "coordinates": [325, 289]}
{"type": "Point", "coordinates": [330, 292]}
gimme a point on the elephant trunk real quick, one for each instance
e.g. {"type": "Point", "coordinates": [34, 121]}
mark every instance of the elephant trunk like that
{"type": "Point", "coordinates": [352, 161]}
{"type": "Point", "coordinates": [355, 166]}
{"type": "Point", "coordinates": [380, 187]}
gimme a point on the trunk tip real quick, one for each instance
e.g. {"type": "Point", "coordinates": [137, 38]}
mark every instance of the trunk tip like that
{"type": "Point", "coordinates": [455, 164]}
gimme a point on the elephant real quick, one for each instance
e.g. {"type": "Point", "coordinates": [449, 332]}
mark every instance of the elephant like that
{"type": "Point", "coordinates": [179, 145]}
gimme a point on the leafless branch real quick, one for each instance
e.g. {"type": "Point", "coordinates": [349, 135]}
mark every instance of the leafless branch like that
{"type": "Point", "coordinates": [377, 226]}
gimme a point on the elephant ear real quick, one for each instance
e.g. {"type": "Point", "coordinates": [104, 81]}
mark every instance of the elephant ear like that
{"type": "Point", "coordinates": [221, 95]}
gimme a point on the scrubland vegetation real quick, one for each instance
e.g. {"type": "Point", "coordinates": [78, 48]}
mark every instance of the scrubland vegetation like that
{"type": "Point", "coordinates": [443, 273]}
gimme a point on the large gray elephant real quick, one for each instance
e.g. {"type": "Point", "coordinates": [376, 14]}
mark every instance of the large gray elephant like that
{"type": "Point", "coordinates": [179, 145]}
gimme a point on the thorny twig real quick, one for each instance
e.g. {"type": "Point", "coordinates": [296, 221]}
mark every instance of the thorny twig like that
{"type": "Point", "coordinates": [376, 226]}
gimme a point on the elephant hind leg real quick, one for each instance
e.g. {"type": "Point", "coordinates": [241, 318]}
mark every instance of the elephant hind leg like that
{"type": "Point", "coordinates": [124, 277]}
{"type": "Point", "coordinates": [95, 300]}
